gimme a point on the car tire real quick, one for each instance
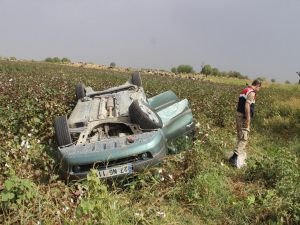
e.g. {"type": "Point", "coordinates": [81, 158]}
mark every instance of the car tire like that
{"type": "Point", "coordinates": [136, 79]}
{"type": "Point", "coordinates": [80, 91]}
{"type": "Point", "coordinates": [142, 114]}
{"type": "Point", "coordinates": [62, 132]}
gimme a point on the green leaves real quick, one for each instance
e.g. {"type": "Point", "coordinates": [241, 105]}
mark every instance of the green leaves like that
{"type": "Point", "coordinates": [100, 205]}
{"type": "Point", "coordinates": [251, 199]}
{"type": "Point", "coordinates": [17, 190]}
{"type": "Point", "coordinates": [7, 196]}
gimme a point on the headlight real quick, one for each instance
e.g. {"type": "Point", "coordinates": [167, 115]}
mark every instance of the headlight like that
{"type": "Point", "coordinates": [144, 156]}
{"type": "Point", "coordinates": [76, 169]}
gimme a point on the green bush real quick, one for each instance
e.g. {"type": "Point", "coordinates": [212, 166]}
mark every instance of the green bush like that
{"type": "Point", "coordinates": [49, 59]}
{"type": "Point", "coordinates": [65, 60]}
{"type": "Point", "coordinates": [185, 69]}
{"type": "Point", "coordinates": [16, 192]}
{"type": "Point", "coordinates": [215, 72]}
{"type": "Point", "coordinates": [236, 75]}
{"type": "Point", "coordinates": [56, 60]}
{"type": "Point", "coordinates": [207, 69]}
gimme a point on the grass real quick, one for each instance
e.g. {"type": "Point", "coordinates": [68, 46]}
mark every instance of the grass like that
{"type": "Point", "coordinates": [195, 186]}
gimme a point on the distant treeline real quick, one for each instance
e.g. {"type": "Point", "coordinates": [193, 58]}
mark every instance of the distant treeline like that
{"type": "Point", "coordinates": [57, 60]}
{"type": "Point", "coordinates": [208, 70]}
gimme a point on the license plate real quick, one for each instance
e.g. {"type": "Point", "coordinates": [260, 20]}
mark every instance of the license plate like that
{"type": "Point", "coordinates": [114, 171]}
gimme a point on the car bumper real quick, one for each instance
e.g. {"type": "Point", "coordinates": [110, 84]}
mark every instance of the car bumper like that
{"type": "Point", "coordinates": [78, 160]}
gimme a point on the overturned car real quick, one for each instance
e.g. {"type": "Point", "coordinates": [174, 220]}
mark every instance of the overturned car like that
{"type": "Point", "coordinates": [119, 131]}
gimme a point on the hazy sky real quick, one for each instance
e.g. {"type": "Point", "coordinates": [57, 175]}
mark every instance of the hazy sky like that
{"type": "Point", "coordinates": [254, 37]}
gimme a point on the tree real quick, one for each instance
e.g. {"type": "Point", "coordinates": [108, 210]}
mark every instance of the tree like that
{"type": "Point", "coordinates": [206, 69]}
{"type": "Point", "coordinates": [65, 60]}
{"type": "Point", "coordinates": [56, 60]}
{"type": "Point", "coordinates": [185, 69]}
{"type": "Point", "coordinates": [174, 70]}
{"type": "Point", "coordinates": [273, 80]}
{"type": "Point", "coordinates": [287, 82]}
{"type": "Point", "coordinates": [236, 74]}
{"type": "Point", "coordinates": [261, 79]}
{"type": "Point", "coordinates": [215, 72]}
{"type": "Point", "coordinates": [49, 59]}
{"type": "Point", "coordinates": [112, 65]}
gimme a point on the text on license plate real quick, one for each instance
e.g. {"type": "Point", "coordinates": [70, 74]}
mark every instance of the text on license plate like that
{"type": "Point", "coordinates": [114, 171]}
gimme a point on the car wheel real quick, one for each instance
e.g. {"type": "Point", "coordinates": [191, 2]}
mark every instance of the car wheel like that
{"type": "Point", "coordinates": [62, 133]}
{"type": "Point", "coordinates": [136, 79]}
{"type": "Point", "coordinates": [80, 91]}
{"type": "Point", "coordinates": [141, 113]}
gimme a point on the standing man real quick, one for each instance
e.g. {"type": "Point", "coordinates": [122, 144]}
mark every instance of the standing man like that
{"type": "Point", "coordinates": [245, 112]}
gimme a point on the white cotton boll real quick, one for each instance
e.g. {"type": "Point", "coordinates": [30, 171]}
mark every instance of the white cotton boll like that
{"type": "Point", "coordinates": [27, 145]}
{"type": "Point", "coordinates": [23, 143]}
{"type": "Point", "coordinates": [161, 214]}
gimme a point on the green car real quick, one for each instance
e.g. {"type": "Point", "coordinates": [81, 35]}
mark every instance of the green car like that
{"type": "Point", "coordinates": [119, 131]}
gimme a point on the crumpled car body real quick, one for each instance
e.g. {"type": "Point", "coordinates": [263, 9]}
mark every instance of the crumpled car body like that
{"type": "Point", "coordinates": [119, 131]}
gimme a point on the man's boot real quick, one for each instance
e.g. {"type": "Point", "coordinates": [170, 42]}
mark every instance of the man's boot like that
{"type": "Point", "coordinates": [233, 160]}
